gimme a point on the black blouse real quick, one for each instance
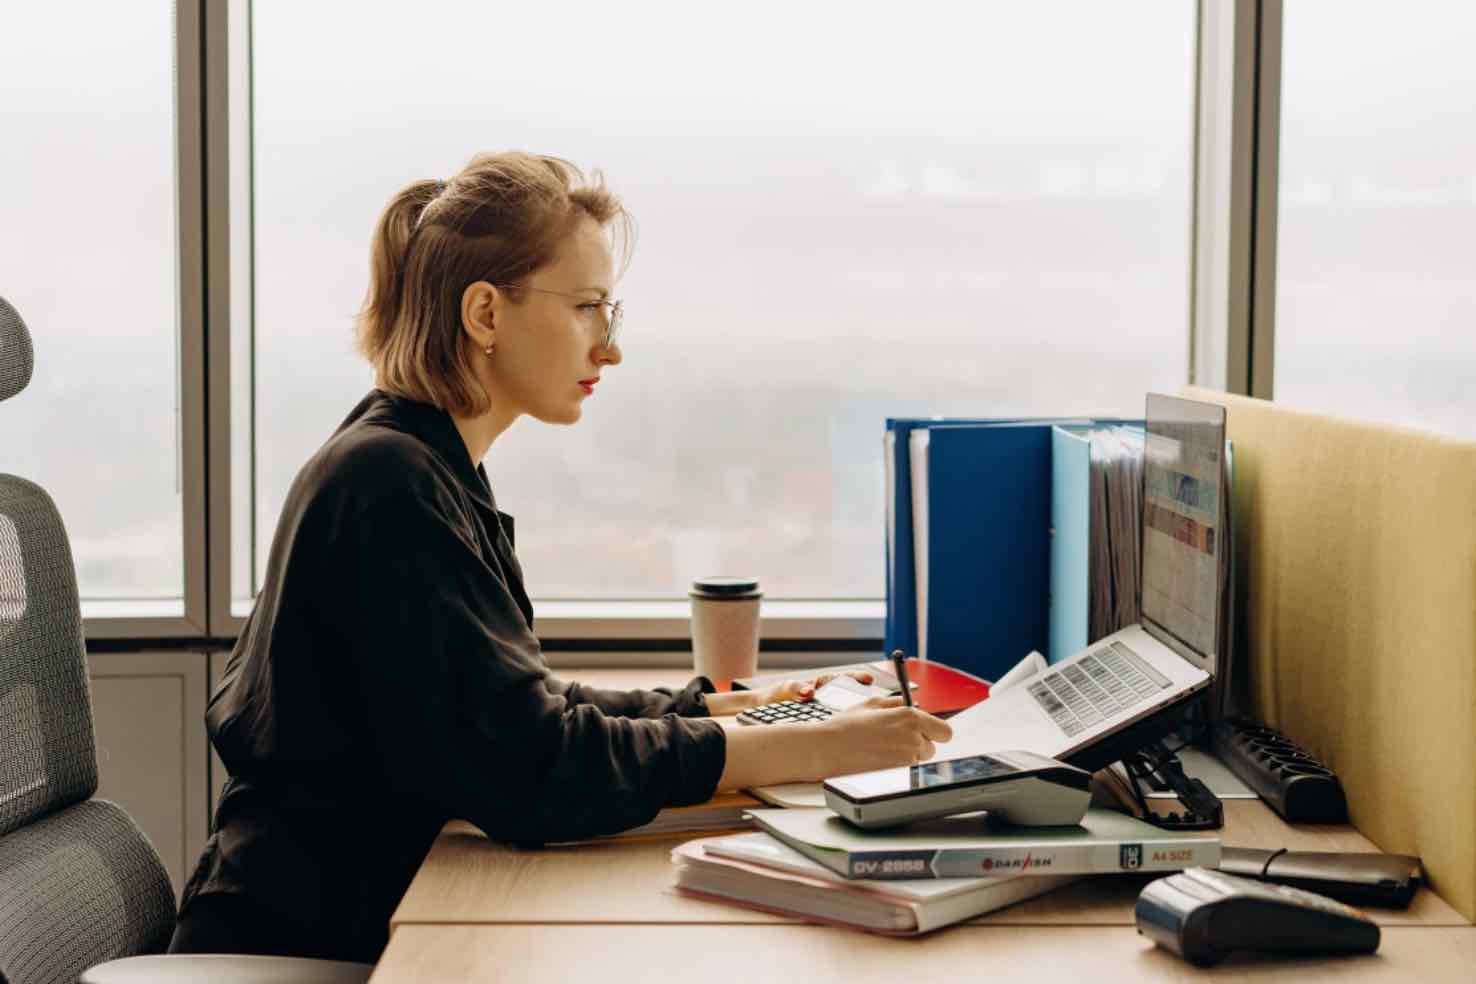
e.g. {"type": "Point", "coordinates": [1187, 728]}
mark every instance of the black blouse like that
{"type": "Point", "coordinates": [388, 680]}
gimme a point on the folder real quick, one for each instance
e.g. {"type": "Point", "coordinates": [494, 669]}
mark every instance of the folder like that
{"type": "Point", "coordinates": [1095, 505]}
{"type": "Point", "coordinates": [901, 580]}
{"type": "Point", "coordinates": [976, 578]}
{"type": "Point", "coordinates": [981, 527]}
{"type": "Point", "coordinates": [1071, 541]}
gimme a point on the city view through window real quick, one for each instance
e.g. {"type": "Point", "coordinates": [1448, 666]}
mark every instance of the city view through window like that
{"type": "Point", "coordinates": [956, 209]}
{"type": "Point", "coordinates": [842, 220]}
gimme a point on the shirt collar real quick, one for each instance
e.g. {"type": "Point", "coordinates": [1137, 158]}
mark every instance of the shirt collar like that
{"type": "Point", "coordinates": [435, 427]}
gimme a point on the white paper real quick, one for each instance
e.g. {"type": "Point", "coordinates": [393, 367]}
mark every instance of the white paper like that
{"type": "Point", "coordinates": [1019, 673]}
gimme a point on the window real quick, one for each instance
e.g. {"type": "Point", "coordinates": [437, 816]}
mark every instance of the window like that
{"type": "Point", "coordinates": [960, 209]}
{"type": "Point", "coordinates": [1376, 300]}
{"type": "Point", "coordinates": [89, 259]}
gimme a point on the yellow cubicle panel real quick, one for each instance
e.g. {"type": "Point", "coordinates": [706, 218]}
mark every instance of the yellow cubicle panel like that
{"type": "Point", "coordinates": [1357, 551]}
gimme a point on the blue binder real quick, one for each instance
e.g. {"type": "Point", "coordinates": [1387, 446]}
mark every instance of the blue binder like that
{"type": "Point", "coordinates": [988, 555]}
{"type": "Point", "coordinates": [900, 627]}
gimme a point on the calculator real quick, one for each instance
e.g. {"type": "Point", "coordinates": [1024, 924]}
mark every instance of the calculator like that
{"type": "Point", "coordinates": [840, 694]}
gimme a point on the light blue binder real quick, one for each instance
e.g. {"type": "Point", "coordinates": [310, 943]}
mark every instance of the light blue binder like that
{"type": "Point", "coordinates": [1071, 540]}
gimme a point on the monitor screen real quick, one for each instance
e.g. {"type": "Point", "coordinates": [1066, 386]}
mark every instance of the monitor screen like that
{"type": "Point", "coordinates": [1183, 459]}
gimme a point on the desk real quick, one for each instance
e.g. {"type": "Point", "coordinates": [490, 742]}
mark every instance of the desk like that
{"type": "Point", "coordinates": [481, 910]}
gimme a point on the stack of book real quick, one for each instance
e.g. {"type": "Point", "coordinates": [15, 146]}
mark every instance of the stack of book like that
{"type": "Point", "coordinates": [813, 865]}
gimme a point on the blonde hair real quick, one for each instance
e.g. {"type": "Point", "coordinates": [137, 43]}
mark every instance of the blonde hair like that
{"type": "Point", "coordinates": [502, 217]}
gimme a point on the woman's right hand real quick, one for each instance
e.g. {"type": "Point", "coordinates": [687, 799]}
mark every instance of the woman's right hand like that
{"type": "Point", "coordinates": [880, 734]}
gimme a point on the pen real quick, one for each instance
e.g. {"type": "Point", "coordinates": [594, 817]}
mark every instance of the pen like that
{"type": "Point", "coordinates": [899, 662]}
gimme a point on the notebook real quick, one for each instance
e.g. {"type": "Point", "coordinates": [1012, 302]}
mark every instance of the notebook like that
{"type": "Point", "coordinates": [969, 845]}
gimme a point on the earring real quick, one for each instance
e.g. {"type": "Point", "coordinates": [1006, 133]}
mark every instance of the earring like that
{"type": "Point", "coordinates": [488, 349]}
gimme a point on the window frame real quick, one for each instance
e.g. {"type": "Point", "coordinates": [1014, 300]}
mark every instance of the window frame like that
{"type": "Point", "coordinates": [1232, 294]}
{"type": "Point", "coordinates": [188, 618]}
{"type": "Point", "coordinates": [1230, 322]}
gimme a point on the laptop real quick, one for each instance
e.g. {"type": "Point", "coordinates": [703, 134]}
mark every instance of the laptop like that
{"type": "Point", "coordinates": [1133, 686]}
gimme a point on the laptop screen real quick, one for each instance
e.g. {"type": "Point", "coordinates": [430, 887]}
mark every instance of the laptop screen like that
{"type": "Point", "coordinates": [1183, 460]}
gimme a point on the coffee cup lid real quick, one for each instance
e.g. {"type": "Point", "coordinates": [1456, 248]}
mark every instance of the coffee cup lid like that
{"type": "Point", "coordinates": [725, 587]}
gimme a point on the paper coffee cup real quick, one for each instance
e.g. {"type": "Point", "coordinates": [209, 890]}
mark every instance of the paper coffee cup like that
{"type": "Point", "coordinates": [725, 627]}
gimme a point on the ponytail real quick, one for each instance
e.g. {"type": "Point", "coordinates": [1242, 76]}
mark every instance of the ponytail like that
{"type": "Point", "coordinates": [388, 255]}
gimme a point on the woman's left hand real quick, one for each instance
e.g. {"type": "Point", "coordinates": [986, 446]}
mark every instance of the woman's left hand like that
{"type": "Point", "coordinates": [801, 690]}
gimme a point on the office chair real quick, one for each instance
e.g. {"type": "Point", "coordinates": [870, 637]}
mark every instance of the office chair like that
{"type": "Point", "coordinates": [79, 881]}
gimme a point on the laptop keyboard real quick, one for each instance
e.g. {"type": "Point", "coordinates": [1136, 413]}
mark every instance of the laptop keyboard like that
{"type": "Point", "coordinates": [1099, 685]}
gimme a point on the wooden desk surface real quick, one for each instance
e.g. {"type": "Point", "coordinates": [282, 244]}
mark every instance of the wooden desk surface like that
{"type": "Point", "coordinates": [640, 954]}
{"type": "Point", "coordinates": [481, 910]}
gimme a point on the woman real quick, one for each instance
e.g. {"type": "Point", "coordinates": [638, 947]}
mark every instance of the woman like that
{"type": "Point", "coordinates": [388, 678]}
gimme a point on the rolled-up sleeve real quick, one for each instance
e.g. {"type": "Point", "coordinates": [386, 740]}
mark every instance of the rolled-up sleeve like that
{"type": "Point", "coordinates": [458, 706]}
{"type": "Point", "coordinates": [689, 701]}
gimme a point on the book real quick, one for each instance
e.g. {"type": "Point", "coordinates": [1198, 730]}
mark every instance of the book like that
{"type": "Point", "coordinates": [756, 871]}
{"type": "Point", "coordinates": [973, 845]}
{"type": "Point", "coordinates": [792, 795]}
{"type": "Point", "coordinates": [725, 811]}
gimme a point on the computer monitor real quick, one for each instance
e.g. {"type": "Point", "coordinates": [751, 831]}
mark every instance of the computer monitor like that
{"type": "Point", "coordinates": [1182, 528]}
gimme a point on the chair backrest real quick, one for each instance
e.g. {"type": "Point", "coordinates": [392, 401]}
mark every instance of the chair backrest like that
{"type": "Point", "coordinates": [79, 882]}
{"type": "Point", "coordinates": [16, 360]}
{"type": "Point", "coordinates": [47, 756]}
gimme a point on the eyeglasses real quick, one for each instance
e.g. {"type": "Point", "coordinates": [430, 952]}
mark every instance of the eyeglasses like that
{"type": "Point", "coordinates": [613, 309]}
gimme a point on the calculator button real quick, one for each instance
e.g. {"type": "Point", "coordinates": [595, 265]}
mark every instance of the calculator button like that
{"type": "Point", "coordinates": [787, 711]}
